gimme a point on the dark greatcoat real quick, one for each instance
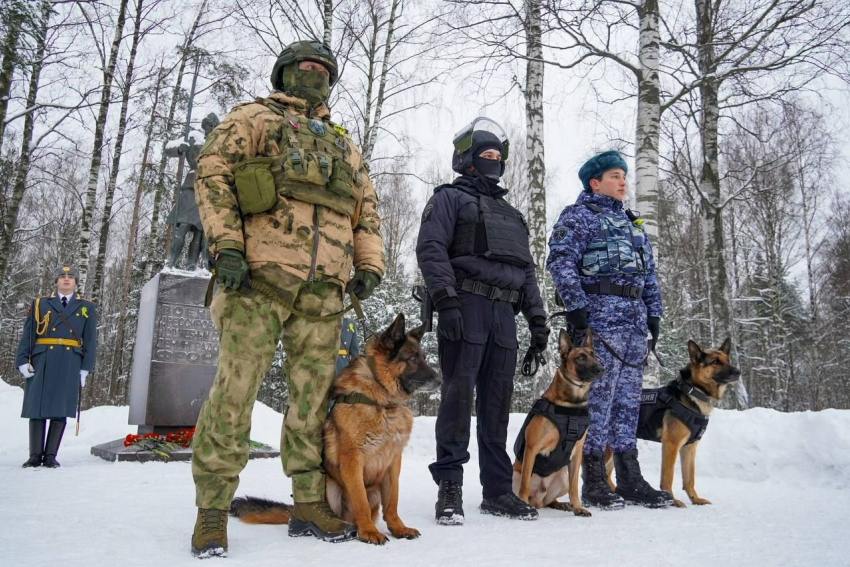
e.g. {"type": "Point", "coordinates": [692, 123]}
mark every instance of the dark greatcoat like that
{"type": "Point", "coordinates": [52, 392]}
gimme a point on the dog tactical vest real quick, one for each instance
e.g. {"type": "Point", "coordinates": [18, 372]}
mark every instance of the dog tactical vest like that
{"type": "Point", "coordinates": [500, 233]}
{"type": "Point", "coordinates": [571, 423]}
{"type": "Point", "coordinates": [654, 402]}
{"type": "Point", "coordinates": [313, 167]}
{"type": "Point", "coordinates": [619, 247]}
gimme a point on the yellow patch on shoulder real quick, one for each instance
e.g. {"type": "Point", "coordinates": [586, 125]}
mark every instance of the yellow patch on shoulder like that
{"type": "Point", "coordinates": [339, 130]}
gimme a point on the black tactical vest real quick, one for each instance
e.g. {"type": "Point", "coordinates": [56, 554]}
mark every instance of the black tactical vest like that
{"type": "Point", "coordinates": [571, 423]}
{"type": "Point", "coordinates": [654, 402]}
{"type": "Point", "coordinates": [500, 233]}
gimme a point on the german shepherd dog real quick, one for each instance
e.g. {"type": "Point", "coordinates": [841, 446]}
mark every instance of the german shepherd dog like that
{"type": "Point", "coordinates": [704, 380]}
{"type": "Point", "coordinates": [570, 387]}
{"type": "Point", "coordinates": [363, 442]}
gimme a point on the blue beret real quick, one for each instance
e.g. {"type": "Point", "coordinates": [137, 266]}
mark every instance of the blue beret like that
{"type": "Point", "coordinates": [599, 164]}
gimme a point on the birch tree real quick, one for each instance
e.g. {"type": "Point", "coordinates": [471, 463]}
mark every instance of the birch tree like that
{"type": "Point", "coordinates": [108, 62]}
{"type": "Point", "coordinates": [115, 168]}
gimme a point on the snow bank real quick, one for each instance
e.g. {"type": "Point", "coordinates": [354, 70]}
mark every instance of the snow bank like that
{"type": "Point", "coordinates": [753, 445]}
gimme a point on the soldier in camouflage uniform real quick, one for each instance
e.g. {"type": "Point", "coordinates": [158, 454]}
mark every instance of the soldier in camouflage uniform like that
{"type": "Point", "coordinates": [603, 268]}
{"type": "Point", "coordinates": [287, 205]}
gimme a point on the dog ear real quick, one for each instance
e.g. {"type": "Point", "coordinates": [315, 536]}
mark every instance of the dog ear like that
{"type": "Point", "coordinates": [564, 343]}
{"type": "Point", "coordinates": [395, 333]}
{"type": "Point", "coordinates": [588, 338]}
{"type": "Point", "coordinates": [417, 333]}
{"type": "Point", "coordinates": [695, 352]}
{"type": "Point", "coordinates": [726, 347]}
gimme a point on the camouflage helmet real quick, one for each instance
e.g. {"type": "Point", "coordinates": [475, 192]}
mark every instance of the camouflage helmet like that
{"type": "Point", "coordinates": [299, 51]}
{"type": "Point", "coordinates": [66, 270]}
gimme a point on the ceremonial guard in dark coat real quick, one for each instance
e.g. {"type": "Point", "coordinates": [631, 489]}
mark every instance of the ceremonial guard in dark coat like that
{"type": "Point", "coordinates": [55, 355]}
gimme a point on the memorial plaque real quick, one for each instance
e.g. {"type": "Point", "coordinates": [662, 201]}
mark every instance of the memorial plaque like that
{"type": "Point", "coordinates": [175, 356]}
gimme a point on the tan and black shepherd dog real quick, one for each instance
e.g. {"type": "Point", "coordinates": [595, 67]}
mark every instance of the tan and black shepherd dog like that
{"type": "Point", "coordinates": [364, 435]}
{"type": "Point", "coordinates": [544, 443]}
{"type": "Point", "coordinates": [688, 399]}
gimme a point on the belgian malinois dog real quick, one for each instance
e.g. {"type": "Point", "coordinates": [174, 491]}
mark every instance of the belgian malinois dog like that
{"type": "Point", "coordinates": [364, 434]}
{"type": "Point", "coordinates": [549, 446]}
{"type": "Point", "coordinates": [677, 414]}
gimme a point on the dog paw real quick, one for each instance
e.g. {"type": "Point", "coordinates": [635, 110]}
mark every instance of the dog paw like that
{"type": "Point", "coordinates": [372, 536]}
{"type": "Point", "coordinates": [562, 506]}
{"type": "Point", "coordinates": [697, 501]}
{"type": "Point", "coordinates": [678, 503]}
{"type": "Point", "coordinates": [583, 512]}
{"type": "Point", "coordinates": [405, 533]}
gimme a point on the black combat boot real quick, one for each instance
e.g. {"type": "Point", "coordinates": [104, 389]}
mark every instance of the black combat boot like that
{"type": "Point", "coordinates": [54, 438]}
{"type": "Point", "coordinates": [594, 488]}
{"type": "Point", "coordinates": [449, 505]}
{"type": "Point", "coordinates": [508, 505]}
{"type": "Point", "coordinates": [631, 485]}
{"type": "Point", "coordinates": [36, 443]}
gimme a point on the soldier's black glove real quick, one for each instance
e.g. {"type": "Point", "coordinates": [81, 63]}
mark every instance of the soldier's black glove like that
{"type": "Point", "coordinates": [654, 325]}
{"type": "Point", "coordinates": [231, 269]}
{"type": "Point", "coordinates": [450, 324]}
{"type": "Point", "coordinates": [539, 334]}
{"type": "Point", "coordinates": [578, 319]}
{"type": "Point", "coordinates": [363, 284]}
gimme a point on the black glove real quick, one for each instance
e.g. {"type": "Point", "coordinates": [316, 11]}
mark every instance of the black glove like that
{"type": "Point", "coordinates": [363, 284]}
{"type": "Point", "coordinates": [231, 269]}
{"type": "Point", "coordinates": [578, 319]}
{"type": "Point", "coordinates": [450, 324]}
{"type": "Point", "coordinates": [654, 325]}
{"type": "Point", "coordinates": [539, 334]}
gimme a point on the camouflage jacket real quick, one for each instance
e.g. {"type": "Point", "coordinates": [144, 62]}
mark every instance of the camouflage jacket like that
{"type": "Point", "coordinates": [305, 239]}
{"type": "Point", "coordinates": [571, 234]}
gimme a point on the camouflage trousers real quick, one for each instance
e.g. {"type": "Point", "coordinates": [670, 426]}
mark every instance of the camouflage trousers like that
{"type": "Point", "coordinates": [251, 325]}
{"type": "Point", "coordinates": [614, 400]}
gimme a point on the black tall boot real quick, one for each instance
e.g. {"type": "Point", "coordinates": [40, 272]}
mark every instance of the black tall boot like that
{"type": "Point", "coordinates": [36, 443]}
{"type": "Point", "coordinates": [54, 438]}
{"type": "Point", "coordinates": [632, 486]}
{"type": "Point", "coordinates": [594, 488]}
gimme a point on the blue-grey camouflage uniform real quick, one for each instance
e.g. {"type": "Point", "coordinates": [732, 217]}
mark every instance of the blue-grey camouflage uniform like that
{"type": "Point", "coordinates": [576, 249]}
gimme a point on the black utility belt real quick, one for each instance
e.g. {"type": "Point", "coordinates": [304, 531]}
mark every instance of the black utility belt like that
{"type": "Point", "coordinates": [632, 291]}
{"type": "Point", "coordinates": [491, 292]}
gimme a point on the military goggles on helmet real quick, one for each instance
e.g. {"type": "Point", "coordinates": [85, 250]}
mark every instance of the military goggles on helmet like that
{"type": "Point", "coordinates": [464, 137]}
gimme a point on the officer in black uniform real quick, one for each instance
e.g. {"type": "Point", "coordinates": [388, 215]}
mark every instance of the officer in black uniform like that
{"type": "Point", "coordinates": [55, 355]}
{"type": "Point", "coordinates": [474, 255]}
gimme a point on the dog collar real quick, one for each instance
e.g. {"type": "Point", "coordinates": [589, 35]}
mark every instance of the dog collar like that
{"type": "Point", "coordinates": [691, 389]}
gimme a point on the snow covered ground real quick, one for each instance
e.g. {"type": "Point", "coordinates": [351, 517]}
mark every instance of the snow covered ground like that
{"type": "Point", "coordinates": [780, 485]}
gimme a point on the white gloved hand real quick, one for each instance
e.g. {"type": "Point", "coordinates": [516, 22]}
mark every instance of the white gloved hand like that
{"type": "Point", "coordinates": [83, 374]}
{"type": "Point", "coordinates": [27, 370]}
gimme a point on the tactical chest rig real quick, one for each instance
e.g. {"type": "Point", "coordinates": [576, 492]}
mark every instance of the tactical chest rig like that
{"type": "Point", "coordinates": [314, 166]}
{"type": "Point", "coordinates": [654, 402]}
{"type": "Point", "coordinates": [571, 424]}
{"type": "Point", "coordinates": [500, 233]}
{"type": "Point", "coordinates": [619, 247]}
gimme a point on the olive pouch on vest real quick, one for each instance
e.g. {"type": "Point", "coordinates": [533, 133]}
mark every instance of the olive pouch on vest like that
{"type": "Point", "coordinates": [255, 185]}
{"type": "Point", "coordinates": [315, 177]}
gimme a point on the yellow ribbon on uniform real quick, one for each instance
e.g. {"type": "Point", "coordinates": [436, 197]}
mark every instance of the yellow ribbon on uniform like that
{"type": "Point", "coordinates": [85, 312]}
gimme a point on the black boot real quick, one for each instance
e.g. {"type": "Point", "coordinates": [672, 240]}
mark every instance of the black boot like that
{"type": "Point", "coordinates": [54, 438]}
{"type": "Point", "coordinates": [508, 505]}
{"type": "Point", "coordinates": [449, 505]}
{"type": "Point", "coordinates": [631, 485]}
{"type": "Point", "coordinates": [36, 443]}
{"type": "Point", "coordinates": [594, 488]}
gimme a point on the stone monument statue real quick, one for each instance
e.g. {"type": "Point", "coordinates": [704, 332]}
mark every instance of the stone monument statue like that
{"type": "Point", "coordinates": [184, 215]}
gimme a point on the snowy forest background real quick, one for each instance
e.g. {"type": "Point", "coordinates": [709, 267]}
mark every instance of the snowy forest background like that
{"type": "Point", "coordinates": [734, 114]}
